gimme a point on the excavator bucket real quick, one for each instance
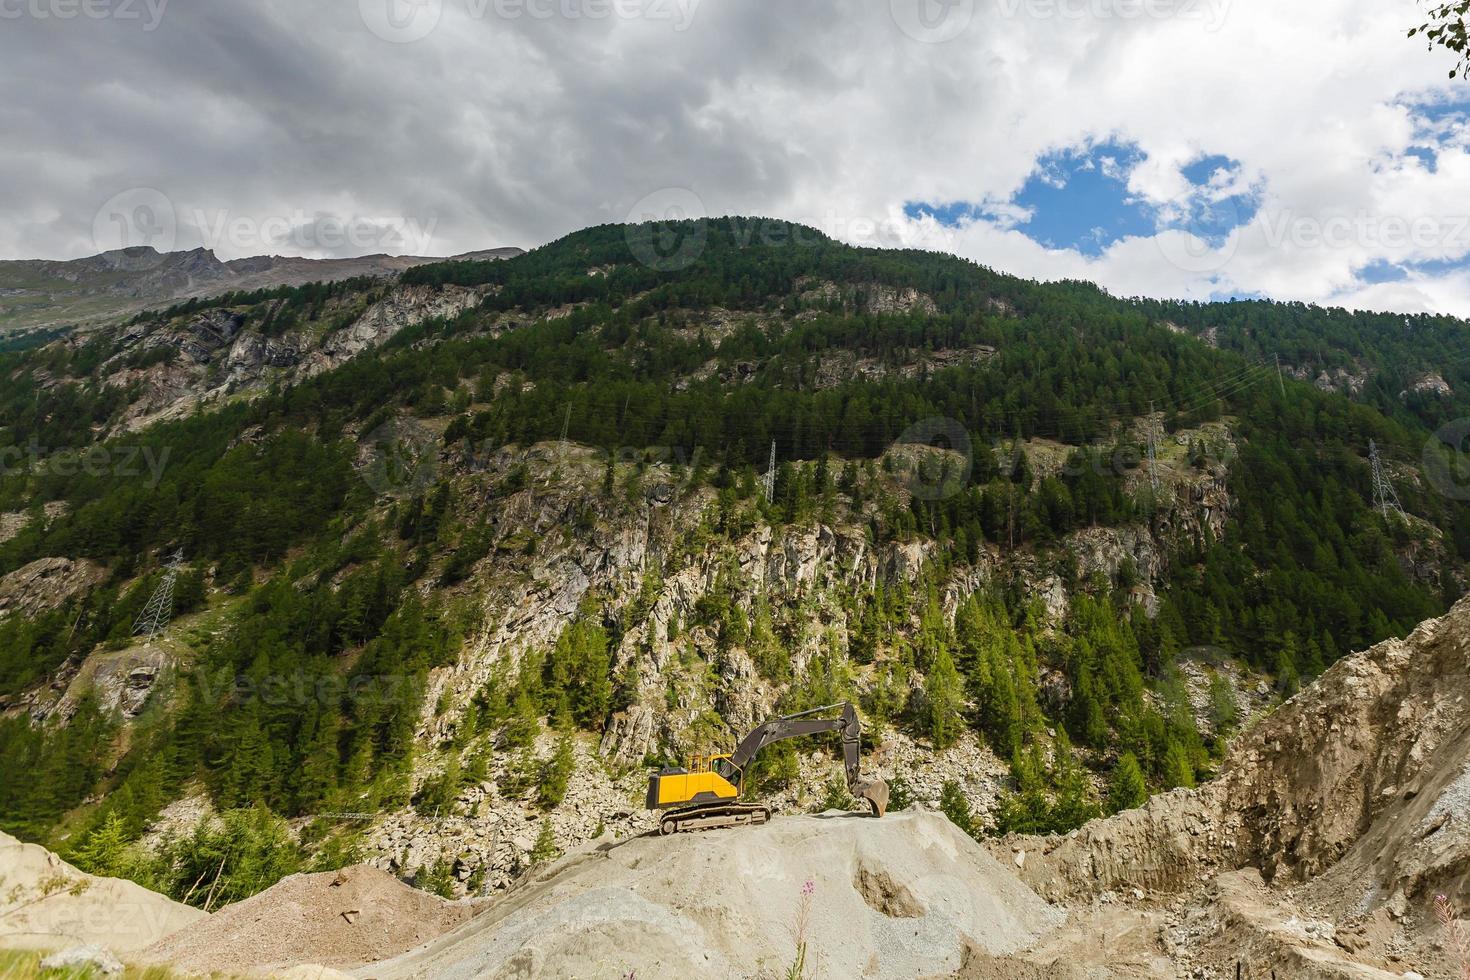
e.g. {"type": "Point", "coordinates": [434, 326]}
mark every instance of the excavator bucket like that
{"type": "Point", "coordinates": [876, 793]}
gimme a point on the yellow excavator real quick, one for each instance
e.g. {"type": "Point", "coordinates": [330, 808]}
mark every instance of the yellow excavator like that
{"type": "Point", "coordinates": [707, 794]}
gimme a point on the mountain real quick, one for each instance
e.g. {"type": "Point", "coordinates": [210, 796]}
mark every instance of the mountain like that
{"type": "Point", "coordinates": [465, 552]}
{"type": "Point", "coordinates": [39, 294]}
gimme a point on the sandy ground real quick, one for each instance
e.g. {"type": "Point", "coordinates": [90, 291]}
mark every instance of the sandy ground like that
{"type": "Point", "coordinates": [46, 903]}
{"type": "Point", "coordinates": [899, 897]}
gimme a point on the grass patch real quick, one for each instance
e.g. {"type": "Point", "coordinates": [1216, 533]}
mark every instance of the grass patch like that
{"type": "Point", "coordinates": [21, 964]}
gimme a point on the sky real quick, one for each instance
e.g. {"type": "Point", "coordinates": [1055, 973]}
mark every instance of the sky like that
{"type": "Point", "coordinates": [1195, 149]}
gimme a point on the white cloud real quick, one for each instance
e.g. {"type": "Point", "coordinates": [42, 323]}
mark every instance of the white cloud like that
{"type": "Point", "coordinates": [499, 129]}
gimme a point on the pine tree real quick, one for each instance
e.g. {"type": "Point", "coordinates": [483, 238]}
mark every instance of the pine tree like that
{"type": "Point", "coordinates": [1075, 802]}
{"type": "Point", "coordinates": [1224, 710]}
{"type": "Point", "coordinates": [1126, 788]}
{"type": "Point", "coordinates": [1026, 811]}
{"type": "Point", "coordinates": [437, 878]}
{"type": "Point", "coordinates": [545, 849]}
{"type": "Point", "coordinates": [317, 772]}
{"type": "Point", "coordinates": [520, 731]}
{"type": "Point", "coordinates": [557, 773]}
{"type": "Point", "coordinates": [105, 851]}
{"type": "Point", "coordinates": [943, 700]}
{"type": "Point", "coordinates": [1178, 769]}
{"type": "Point", "coordinates": [954, 805]}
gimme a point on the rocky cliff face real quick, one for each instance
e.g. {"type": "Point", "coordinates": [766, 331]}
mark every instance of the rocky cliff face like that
{"type": "Point", "coordinates": [225, 353]}
{"type": "Point", "coordinates": [528, 600]}
{"type": "Point", "coordinates": [561, 542]}
{"type": "Point", "coordinates": [1321, 848]}
{"type": "Point", "coordinates": [403, 307]}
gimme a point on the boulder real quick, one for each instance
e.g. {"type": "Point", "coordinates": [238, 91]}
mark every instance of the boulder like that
{"type": "Point", "coordinates": [78, 959]}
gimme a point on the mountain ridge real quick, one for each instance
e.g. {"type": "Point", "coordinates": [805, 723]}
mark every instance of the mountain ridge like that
{"type": "Point", "coordinates": [38, 294]}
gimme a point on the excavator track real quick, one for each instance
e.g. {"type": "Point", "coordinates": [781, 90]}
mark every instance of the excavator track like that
{"type": "Point", "coordinates": [713, 817]}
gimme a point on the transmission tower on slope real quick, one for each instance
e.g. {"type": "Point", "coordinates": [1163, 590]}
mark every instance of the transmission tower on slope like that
{"type": "Point", "coordinates": [155, 616]}
{"type": "Point", "coordinates": [771, 476]}
{"type": "Point", "coordinates": [1153, 452]}
{"type": "Point", "coordinates": [1385, 498]}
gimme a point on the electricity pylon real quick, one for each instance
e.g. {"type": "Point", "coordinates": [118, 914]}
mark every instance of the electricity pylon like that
{"type": "Point", "coordinates": [1153, 452]}
{"type": "Point", "coordinates": [155, 616]}
{"type": "Point", "coordinates": [771, 476]}
{"type": "Point", "coordinates": [1385, 498]}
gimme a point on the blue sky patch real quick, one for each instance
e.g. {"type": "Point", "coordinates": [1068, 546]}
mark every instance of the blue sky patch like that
{"type": "Point", "coordinates": [1211, 214]}
{"type": "Point", "coordinates": [1075, 198]}
{"type": "Point", "coordinates": [1202, 170]}
{"type": "Point", "coordinates": [1379, 271]}
{"type": "Point", "coordinates": [1427, 155]}
{"type": "Point", "coordinates": [1078, 198]}
{"type": "Point", "coordinates": [1440, 111]}
{"type": "Point", "coordinates": [1435, 268]}
{"type": "Point", "coordinates": [950, 215]}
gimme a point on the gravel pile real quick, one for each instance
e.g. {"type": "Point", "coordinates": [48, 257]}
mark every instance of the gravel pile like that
{"type": "Point", "coordinates": [338, 919]}
{"type": "Point", "coordinates": [896, 897]}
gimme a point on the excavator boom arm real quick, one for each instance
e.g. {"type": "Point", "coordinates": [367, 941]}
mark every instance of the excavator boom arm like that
{"type": "Point", "coordinates": [803, 723]}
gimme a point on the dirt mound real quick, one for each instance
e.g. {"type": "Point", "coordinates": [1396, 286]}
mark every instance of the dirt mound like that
{"type": "Point", "coordinates": [898, 897]}
{"type": "Point", "coordinates": [981, 966]}
{"type": "Point", "coordinates": [46, 903]}
{"type": "Point", "coordinates": [1362, 777]}
{"type": "Point", "coordinates": [337, 919]}
{"type": "Point", "coordinates": [1247, 923]}
{"type": "Point", "coordinates": [1354, 797]}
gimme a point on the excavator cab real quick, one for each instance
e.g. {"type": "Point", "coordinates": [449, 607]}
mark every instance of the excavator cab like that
{"type": "Point", "coordinates": [707, 779]}
{"type": "Point", "coordinates": [722, 765]}
{"type": "Point", "coordinates": [706, 793]}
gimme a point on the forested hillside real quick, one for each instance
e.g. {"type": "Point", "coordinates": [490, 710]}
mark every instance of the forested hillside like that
{"type": "Point", "coordinates": [522, 540]}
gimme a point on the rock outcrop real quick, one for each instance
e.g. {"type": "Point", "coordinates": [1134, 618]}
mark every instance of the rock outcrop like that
{"type": "Point", "coordinates": [45, 584]}
{"type": "Point", "coordinates": [403, 307]}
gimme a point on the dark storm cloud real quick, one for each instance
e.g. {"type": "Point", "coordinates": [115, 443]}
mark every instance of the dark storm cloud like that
{"type": "Point", "coordinates": [492, 129]}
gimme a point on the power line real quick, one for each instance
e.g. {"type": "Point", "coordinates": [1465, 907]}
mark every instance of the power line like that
{"type": "Point", "coordinates": [1037, 424]}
